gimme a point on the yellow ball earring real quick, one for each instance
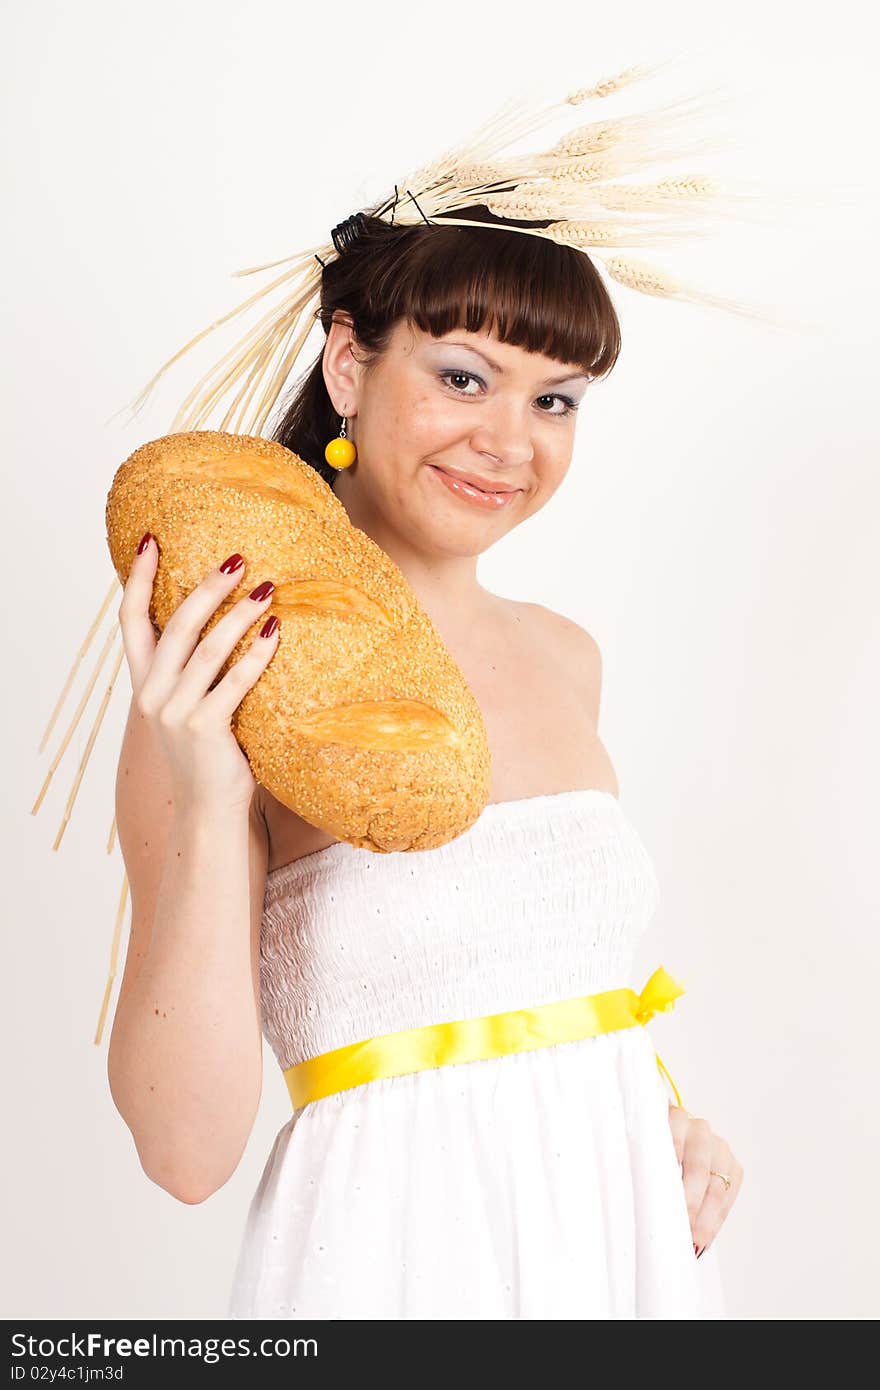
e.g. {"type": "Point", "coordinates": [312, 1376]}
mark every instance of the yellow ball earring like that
{"type": "Point", "coordinates": [341, 452]}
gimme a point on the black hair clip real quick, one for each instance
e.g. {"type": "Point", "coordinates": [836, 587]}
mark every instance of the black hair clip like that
{"type": "Point", "coordinates": [348, 231]}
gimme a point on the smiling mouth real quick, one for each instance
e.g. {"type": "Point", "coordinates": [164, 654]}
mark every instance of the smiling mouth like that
{"type": "Point", "coordinates": [471, 494]}
{"type": "Point", "coordinates": [480, 487]}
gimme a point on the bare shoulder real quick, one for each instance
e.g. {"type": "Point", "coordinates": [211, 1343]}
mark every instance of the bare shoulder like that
{"type": "Point", "coordinates": [575, 647]}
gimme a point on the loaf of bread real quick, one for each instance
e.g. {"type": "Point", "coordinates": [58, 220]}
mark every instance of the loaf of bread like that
{"type": "Point", "coordinates": [362, 723]}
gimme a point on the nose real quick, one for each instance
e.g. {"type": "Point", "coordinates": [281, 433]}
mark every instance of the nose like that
{"type": "Point", "coordinates": [504, 439]}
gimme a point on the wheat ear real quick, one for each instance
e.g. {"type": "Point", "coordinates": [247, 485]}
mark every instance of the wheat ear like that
{"type": "Point", "coordinates": [649, 279]}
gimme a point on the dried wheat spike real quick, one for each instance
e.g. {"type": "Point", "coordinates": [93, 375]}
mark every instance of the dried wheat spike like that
{"type": "Point", "coordinates": [649, 279]}
{"type": "Point", "coordinates": [480, 175]}
{"type": "Point", "coordinates": [583, 234]}
{"type": "Point", "coordinates": [686, 188]}
{"type": "Point", "coordinates": [614, 84]}
{"type": "Point", "coordinates": [526, 205]}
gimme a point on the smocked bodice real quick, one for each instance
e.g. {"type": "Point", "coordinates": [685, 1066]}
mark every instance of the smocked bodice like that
{"type": "Point", "coordinates": [542, 898]}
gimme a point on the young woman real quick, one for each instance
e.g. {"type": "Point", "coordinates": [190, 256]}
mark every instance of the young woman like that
{"type": "Point", "coordinates": [554, 1183]}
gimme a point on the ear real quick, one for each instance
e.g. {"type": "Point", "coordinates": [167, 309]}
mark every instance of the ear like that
{"type": "Point", "coordinates": [341, 370]}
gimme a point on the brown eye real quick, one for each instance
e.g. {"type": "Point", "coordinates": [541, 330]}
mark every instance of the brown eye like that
{"type": "Point", "coordinates": [456, 373]}
{"type": "Point", "coordinates": [569, 406]}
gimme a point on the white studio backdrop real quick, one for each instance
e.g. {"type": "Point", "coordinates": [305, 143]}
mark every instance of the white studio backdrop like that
{"type": "Point", "coordinates": [717, 533]}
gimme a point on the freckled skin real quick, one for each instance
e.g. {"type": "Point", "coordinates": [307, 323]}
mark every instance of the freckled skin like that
{"type": "Point", "coordinates": [537, 704]}
{"type": "Point", "coordinates": [402, 416]}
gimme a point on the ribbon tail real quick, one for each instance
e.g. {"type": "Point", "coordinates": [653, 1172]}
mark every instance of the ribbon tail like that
{"type": "Point", "coordinates": [664, 1072]}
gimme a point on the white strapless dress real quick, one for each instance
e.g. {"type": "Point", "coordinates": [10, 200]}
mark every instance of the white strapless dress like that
{"type": "Point", "coordinates": [542, 1184]}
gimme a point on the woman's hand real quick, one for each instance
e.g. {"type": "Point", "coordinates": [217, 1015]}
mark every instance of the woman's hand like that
{"type": "Point", "coordinates": [703, 1156]}
{"type": "Point", "coordinates": [174, 680]}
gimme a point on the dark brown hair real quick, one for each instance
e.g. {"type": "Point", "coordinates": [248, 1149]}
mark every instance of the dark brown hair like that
{"type": "Point", "coordinates": [529, 291]}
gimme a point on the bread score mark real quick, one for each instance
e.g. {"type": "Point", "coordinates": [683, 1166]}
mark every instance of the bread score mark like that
{"type": "Point", "coordinates": [328, 596]}
{"type": "Point", "coordinates": [397, 725]}
{"type": "Point", "coordinates": [320, 596]}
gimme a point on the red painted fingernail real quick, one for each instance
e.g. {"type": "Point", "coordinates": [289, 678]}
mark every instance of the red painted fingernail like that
{"type": "Point", "coordinates": [696, 1250]}
{"type": "Point", "coordinates": [145, 541]}
{"type": "Point", "coordinates": [262, 591]}
{"type": "Point", "coordinates": [269, 626]}
{"type": "Point", "coordinates": [234, 563]}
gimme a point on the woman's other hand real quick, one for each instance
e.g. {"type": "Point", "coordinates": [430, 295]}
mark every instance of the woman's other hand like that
{"type": "Point", "coordinates": [704, 1155]}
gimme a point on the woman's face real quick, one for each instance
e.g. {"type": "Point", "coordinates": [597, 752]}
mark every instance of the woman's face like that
{"type": "Point", "coordinates": [465, 405]}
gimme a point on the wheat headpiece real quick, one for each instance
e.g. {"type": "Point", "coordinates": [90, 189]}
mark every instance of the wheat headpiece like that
{"type": "Point", "coordinates": [575, 185]}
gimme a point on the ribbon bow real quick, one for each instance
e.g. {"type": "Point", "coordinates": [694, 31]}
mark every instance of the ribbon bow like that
{"type": "Point", "coordinates": [658, 995]}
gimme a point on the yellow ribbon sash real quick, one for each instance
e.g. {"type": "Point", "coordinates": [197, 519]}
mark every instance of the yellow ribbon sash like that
{"type": "Point", "coordinates": [473, 1039]}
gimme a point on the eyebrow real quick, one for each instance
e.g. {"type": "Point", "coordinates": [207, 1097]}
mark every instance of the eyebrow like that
{"type": "Point", "coordinates": [502, 371]}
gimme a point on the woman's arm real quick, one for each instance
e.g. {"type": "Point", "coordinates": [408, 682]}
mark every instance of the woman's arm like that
{"type": "Point", "coordinates": [185, 1053]}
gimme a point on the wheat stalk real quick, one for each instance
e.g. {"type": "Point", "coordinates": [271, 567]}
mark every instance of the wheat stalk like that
{"type": "Point", "coordinates": [568, 183]}
{"type": "Point", "coordinates": [93, 734]}
{"type": "Point", "coordinates": [84, 646]}
{"type": "Point", "coordinates": [114, 956]}
{"type": "Point", "coordinates": [302, 268]}
{"type": "Point", "coordinates": [76, 718]}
